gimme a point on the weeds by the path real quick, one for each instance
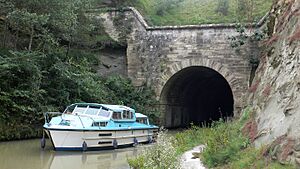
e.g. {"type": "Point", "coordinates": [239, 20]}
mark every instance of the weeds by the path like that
{"type": "Point", "coordinates": [226, 147]}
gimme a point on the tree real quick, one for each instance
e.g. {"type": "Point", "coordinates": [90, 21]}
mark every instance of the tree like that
{"type": "Point", "coordinates": [46, 23]}
{"type": "Point", "coordinates": [5, 7]}
{"type": "Point", "coordinates": [27, 23]}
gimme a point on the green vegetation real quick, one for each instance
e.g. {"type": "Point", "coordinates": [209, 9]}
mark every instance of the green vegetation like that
{"type": "Point", "coordinates": [242, 37]}
{"type": "Point", "coordinates": [32, 83]}
{"type": "Point", "coordinates": [226, 147]}
{"type": "Point", "coordinates": [161, 155]}
{"type": "Point", "coordinates": [254, 158]}
{"type": "Point", "coordinates": [48, 56]}
{"type": "Point", "coordinates": [183, 12]}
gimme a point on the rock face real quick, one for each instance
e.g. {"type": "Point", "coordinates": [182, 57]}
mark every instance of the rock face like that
{"type": "Point", "coordinates": [275, 91]}
{"type": "Point", "coordinates": [112, 62]}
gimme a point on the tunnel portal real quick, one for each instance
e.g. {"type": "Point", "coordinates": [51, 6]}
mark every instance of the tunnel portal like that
{"type": "Point", "coordinates": [196, 95]}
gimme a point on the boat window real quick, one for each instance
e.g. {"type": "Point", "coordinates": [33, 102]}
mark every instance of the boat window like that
{"type": "Point", "coordinates": [70, 109]}
{"type": "Point", "coordinates": [142, 120]}
{"type": "Point", "coordinates": [79, 110]}
{"type": "Point", "coordinates": [92, 110]}
{"type": "Point", "coordinates": [104, 108]}
{"type": "Point", "coordinates": [99, 124]}
{"type": "Point", "coordinates": [95, 124]}
{"type": "Point", "coordinates": [104, 113]}
{"type": "Point", "coordinates": [116, 115]}
{"type": "Point", "coordinates": [127, 114]}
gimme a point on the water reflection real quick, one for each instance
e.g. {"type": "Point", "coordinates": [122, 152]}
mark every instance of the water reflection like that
{"type": "Point", "coordinates": [28, 155]}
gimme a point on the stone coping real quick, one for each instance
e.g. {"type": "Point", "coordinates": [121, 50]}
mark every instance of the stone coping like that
{"type": "Point", "coordinates": [141, 19]}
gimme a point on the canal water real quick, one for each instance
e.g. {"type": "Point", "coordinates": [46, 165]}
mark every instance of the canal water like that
{"type": "Point", "coordinates": [27, 154]}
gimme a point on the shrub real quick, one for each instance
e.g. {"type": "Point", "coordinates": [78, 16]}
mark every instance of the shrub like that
{"type": "Point", "coordinates": [162, 155]}
{"type": "Point", "coordinates": [191, 137]}
{"type": "Point", "coordinates": [223, 143]}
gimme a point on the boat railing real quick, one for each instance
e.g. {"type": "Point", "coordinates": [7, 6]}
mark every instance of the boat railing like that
{"type": "Point", "coordinates": [80, 120]}
{"type": "Point", "coordinates": [49, 115]}
{"type": "Point", "coordinates": [81, 115]}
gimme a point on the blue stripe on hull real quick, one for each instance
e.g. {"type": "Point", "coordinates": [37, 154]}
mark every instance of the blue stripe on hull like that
{"type": "Point", "coordinates": [90, 148]}
{"type": "Point", "coordinates": [68, 149]}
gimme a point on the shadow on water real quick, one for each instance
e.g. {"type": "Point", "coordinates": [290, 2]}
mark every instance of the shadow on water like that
{"type": "Point", "coordinates": [27, 154]}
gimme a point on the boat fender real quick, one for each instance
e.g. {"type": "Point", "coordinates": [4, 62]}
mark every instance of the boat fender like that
{"type": "Point", "coordinates": [84, 146]}
{"type": "Point", "coordinates": [150, 140]}
{"type": "Point", "coordinates": [43, 142]}
{"type": "Point", "coordinates": [135, 142]}
{"type": "Point", "coordinates": [115, 143]}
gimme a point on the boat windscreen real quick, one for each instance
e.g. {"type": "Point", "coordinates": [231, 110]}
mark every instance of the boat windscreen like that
{"type": "Point", "coordinates": [104, 113]}
{"type": "Point", "coordinates": [92, 110]}
{"type": "Point", "coordinates": [79, 110]}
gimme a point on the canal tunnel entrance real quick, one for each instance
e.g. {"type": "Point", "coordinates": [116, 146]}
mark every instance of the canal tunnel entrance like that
{"type": "Point", "coordinates": [196, 95]}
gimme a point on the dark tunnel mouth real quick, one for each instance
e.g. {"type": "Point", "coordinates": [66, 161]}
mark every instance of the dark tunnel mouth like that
{"type": "Point", "coordinates": [198, 95]}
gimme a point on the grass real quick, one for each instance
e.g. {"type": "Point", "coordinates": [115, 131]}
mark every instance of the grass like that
{"type": "Point", "coordinates": [226, 147]}
{"type": "Point", "coordinates": [160, 156]}
{"type": "Point", "coordinates": [183, 12]}
{"type": "Point", "coordinates": [254, 158]}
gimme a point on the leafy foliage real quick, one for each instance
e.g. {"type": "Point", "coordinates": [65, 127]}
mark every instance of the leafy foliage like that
{"type": "Point", "coordinates": [223, 143]}
{"type": "Point", "coordinates": [46, 63]}
{"type": "Point", "coordinates": [34, 82]}
{"type": "Point", "coordinates": [28, 23]}
{"type": "Point", "coordinates": [242, 37]}
{"type": "Point", "coordinates": [20, 96]}
{"type": "Point", "coordinates": [41, 25]}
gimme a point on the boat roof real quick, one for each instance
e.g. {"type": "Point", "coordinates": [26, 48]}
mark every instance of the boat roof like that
{"type": "Point", "coordinates": [140, 115]}
{"type": "Point", "coordinates": [116, 108]}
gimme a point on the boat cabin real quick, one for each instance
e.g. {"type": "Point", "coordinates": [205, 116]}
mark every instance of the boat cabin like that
{"type": "Point", "coordinates": [140, 118]}
{"type": "Point", "coordinates": [102, 111]}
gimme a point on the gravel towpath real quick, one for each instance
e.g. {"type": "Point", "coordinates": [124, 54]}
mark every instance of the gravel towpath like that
{"type": "Point", "coordinates": [187, 160]}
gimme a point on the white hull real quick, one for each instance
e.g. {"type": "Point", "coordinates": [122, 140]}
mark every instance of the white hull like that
{"type": "Point", "coordinates": [74, 139]}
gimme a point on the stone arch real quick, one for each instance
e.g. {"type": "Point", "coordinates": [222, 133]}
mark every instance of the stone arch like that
{"type": "Point", "coordinates": [217, 67]}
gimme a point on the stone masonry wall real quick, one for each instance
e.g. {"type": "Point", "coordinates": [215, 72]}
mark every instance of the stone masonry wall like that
{"type": "Point", "coordinates": [154, 54]}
